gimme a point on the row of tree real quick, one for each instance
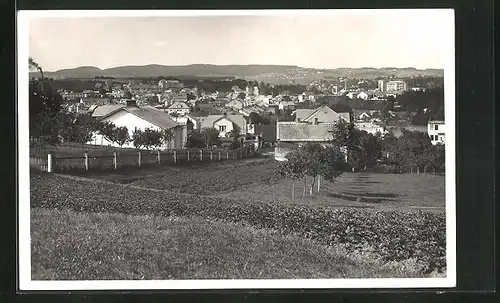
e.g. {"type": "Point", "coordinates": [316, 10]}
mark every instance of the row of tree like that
{"type": "Point", "coordinates": [413, 151]}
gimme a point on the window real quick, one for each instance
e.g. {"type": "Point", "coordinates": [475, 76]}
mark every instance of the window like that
{"type": "Point", "coordinates": [432, 137]}
{"type": "Point", "coordinates": [436, 127]}
{"type": "Point", "coordinates": [222, 128]}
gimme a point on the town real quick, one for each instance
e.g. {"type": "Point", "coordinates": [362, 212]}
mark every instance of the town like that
{"type": "Point", "coordinates": [250, 109]}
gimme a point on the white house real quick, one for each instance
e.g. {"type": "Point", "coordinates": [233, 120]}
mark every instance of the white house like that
{"type": "Point", "coordinates": [225, 123]}
{"type": "Point", "coordinates": [286, 105]}
{"type": "Point", "coordinates": [436, 132]}
{"type": "Point", "coordinates": [370, 127]}
{"type": "Point", "coordinates": [362, 95]}
{"type": "Point", "coordinates": [179, 108]}
{"type": "Point", "coordinates": [140, 118]}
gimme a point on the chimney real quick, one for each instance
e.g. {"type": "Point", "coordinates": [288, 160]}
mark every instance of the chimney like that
{"type": "Point", "coordinates": [131, 103]}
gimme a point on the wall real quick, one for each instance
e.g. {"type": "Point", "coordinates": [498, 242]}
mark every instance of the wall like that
{"type": "Point", "coordinates": [224, 122]}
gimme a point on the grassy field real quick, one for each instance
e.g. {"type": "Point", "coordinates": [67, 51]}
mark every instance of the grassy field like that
{"type": "Point", "coordinates": [87, 246]}
{"type": "Point", "coordinates": [399, 236]}
{"type": "Point", "coordinates": [359, 190]}
{"type": "Point", "coordinates": [253, 180]}
{"type": "Point", "coordinates": [198, 179]}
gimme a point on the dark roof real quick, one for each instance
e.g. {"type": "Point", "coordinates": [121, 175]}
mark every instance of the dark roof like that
{"type": "Point", "coordinates": [153, 116]}
{"type": "Point", "coordinates": [297, 131]}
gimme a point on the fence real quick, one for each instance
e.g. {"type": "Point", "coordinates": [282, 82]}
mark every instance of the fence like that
{"type": "Point", "coordinates": [88, 161]}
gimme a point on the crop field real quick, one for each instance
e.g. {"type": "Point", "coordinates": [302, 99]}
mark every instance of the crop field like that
{"type": "Point", "coordinates": [412, 240]}
{"type": "Point", "coordinates": [199, 179]}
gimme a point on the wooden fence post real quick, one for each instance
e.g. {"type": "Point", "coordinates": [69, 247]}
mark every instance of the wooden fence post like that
{"type": "Point", "coordinates": [86, 161]}
{"type": "Point", "coordinates": [211, 155]}
{"type": "Point", "coordinates": [49, 162]}
{"type": "Point", "coordinates": [175, 156]}
{"type": "Point", "coordinates": [139, 158]}
{"type": "Point", "coordinates": [227, 155]}
{"type": "Point", "coordinates": [158, 156]}
{"type": "Point", "coordinates": [115, 162]}
{"type": "Point", "coordinates": [201, 155]}
{"type": "Point", "coordinates": [188, 155]}
{"type": "Point", "coordinates": [219, 156]}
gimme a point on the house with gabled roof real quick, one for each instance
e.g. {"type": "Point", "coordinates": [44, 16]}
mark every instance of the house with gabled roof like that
{"type": "Point", "coordinates": [179, 108]}
{"type": "Point", "coordinates": [139, 118]}
{"type": "Point", "coordinates": [225, 123]}
{"type": "Point", "coordinates": [310, 125]}
{"type": "Point", "coordinates": [235, 104]}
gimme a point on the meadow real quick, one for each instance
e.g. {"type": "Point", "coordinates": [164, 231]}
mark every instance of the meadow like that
{"type": "Point", "coordinates": [235, 220]}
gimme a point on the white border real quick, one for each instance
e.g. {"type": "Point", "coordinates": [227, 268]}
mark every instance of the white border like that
{"type": "Point", "coordinates": [25, 282]}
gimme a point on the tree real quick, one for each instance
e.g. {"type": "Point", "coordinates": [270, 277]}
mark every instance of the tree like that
{"type": "Point", "coordinates": [210, 137]}
{"type": "Point", "coordinates": [314, 160]}
{"type": "Point", "coordinates": [77, 128]}
{"type": "Point", "coordinates": [167, 136]}
{"type": "Point", "coordinates": [107, 129]}
{"type": "Point", "coordinates": [195, 140]}
{"type": "Point", "coordinates": [121, 135]}
{"type": "Point", "coordinates": [293, 168]}
{"type": "Point", "coordinates": [45, 110]}
{"type": "Point", "coordinates": [147, 138]}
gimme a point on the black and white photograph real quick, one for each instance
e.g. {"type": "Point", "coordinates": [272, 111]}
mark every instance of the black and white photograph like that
{"type": "Point", "coordinates": [224, 149]}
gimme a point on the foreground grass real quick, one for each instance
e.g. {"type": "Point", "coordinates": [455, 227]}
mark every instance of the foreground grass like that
{"type": "Point", "coordinates": [88, 246]}
{"type": "Point", "coordinates": [395, 235]}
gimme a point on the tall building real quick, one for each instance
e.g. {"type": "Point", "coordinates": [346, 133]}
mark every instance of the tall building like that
{"type": "Point", "coordinates": [396, 85]}
{"type": "Point", "coordinates": [381, 86]}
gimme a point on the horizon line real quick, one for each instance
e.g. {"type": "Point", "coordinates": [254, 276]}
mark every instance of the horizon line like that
{"type": "Point", "coordinates": [250, 64]}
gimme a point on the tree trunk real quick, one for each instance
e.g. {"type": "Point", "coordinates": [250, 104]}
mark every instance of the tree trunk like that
{"type": "Point", "coordinates": [418, 170]}
{"type": "Point", "coordinates": [293, 190]}
{"type": "Point", "coordinates": [411, 169]}
{"type": "Point", "coordinates": [305, 186]}
{"type": "Point", "coordinates": [312, 186]}
{"type": "Point", "coordinates": [319, 183]}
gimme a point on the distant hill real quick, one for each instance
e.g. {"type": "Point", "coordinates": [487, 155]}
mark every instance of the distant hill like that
{"type": "Point", "coordinates": [268, 73]}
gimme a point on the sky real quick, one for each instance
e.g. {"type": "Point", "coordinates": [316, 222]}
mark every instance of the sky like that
{"type": "Point", "coordinates": [409, 38]}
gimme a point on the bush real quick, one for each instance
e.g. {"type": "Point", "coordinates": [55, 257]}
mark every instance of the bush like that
{"type": "Point", "coordinates": [394, 235]}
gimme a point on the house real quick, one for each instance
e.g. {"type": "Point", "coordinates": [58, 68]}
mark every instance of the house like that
{"type": "Point", "coordinates": [188, 119]}
{"type": "Point", "coordinates": [322, 114]}
{"type": "Point", "coordinates": [286, 105]}
{"type": "Point", "coordinates": [103, 110]}
{"type": "Point", "coordinates": [179, 108]}
{"type": "Point", "coordinates": [436, 132]}
{"type": "Point", "coordinates": [365, 114]}
{"type": "Point", "coordinates": [370, 127]}
{"type": "Point", "coordinates": [235, 104]}
{"type": "Point", "coordinates": [225, 123]}
{"type": "Point", "coordinates": [396, 85]}
{"type": "Point", "coordinates": [140, 118]}
{"type": "Point", "coordinates": [362, 95]}
{"type": "Point", "coordinates": [246, 111]}
{"type": "Point", "coordinates": [310, 126]}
